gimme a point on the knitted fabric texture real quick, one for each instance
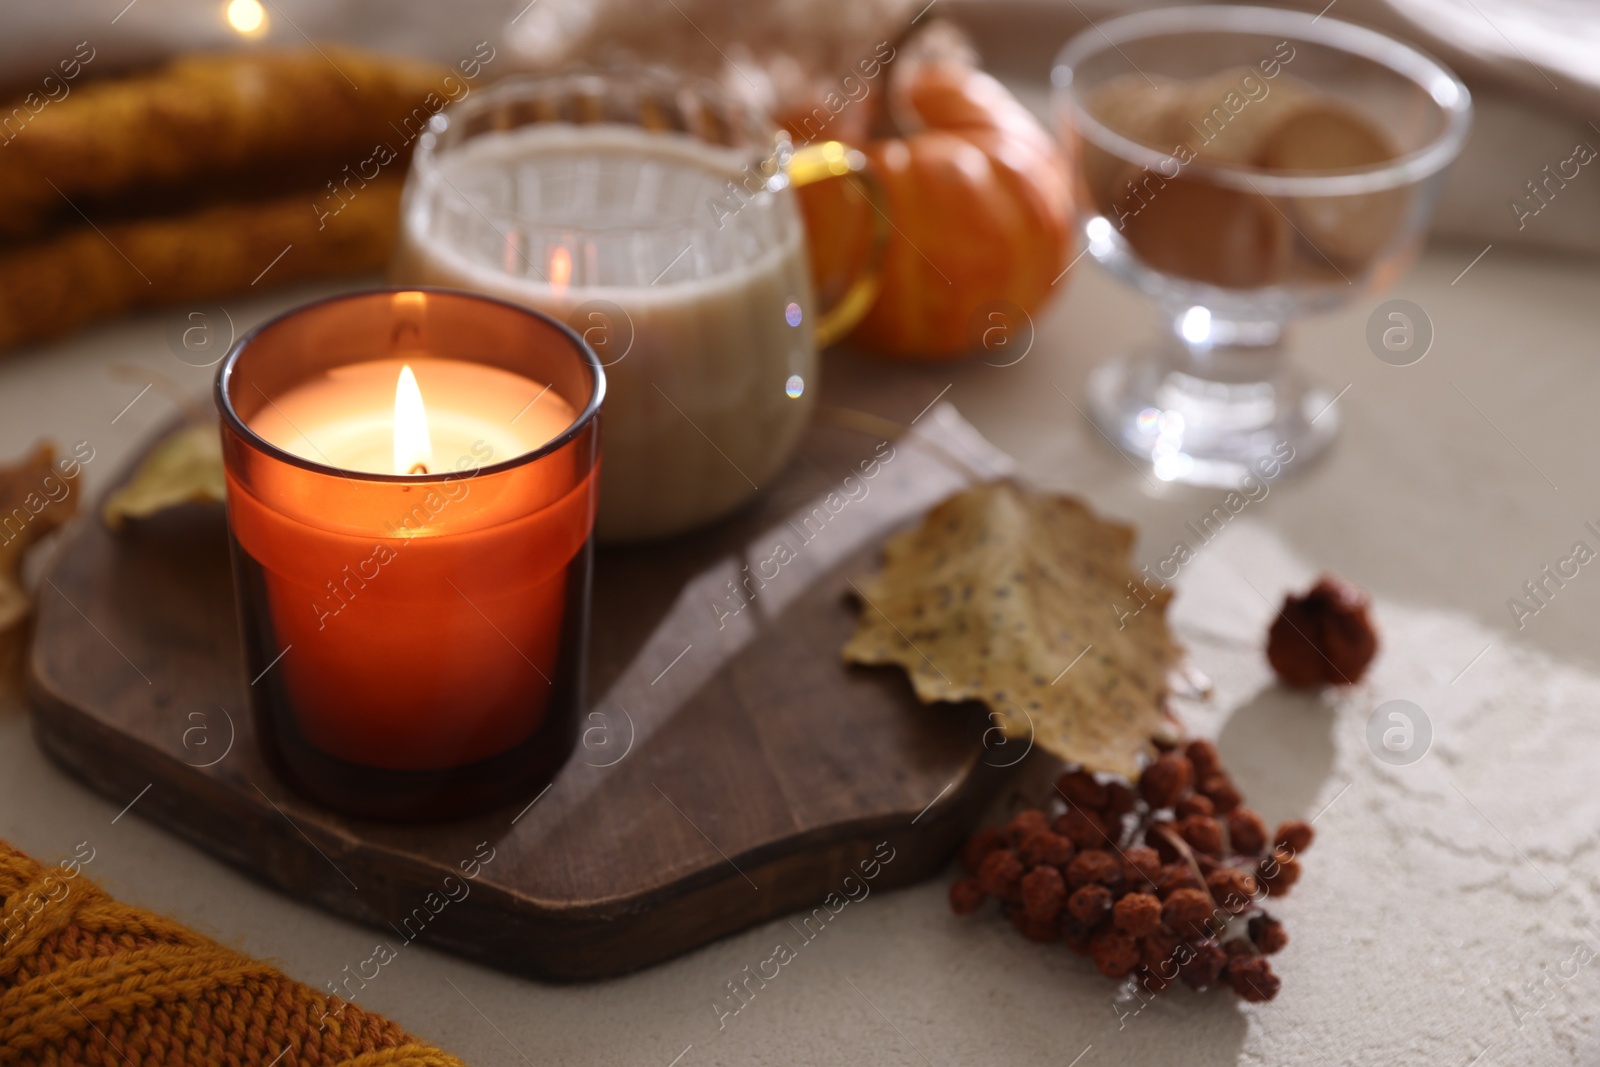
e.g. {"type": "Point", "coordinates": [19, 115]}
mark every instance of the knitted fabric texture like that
{"type": "Point", "coordinates": [87, 980]}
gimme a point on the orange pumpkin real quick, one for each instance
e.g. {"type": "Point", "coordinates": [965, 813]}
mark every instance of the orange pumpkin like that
{"type": "Point", "coordinates": [981, 206]}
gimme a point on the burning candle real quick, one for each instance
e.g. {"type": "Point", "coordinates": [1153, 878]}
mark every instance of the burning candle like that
{"type": "Point", "coordinates": [372, 417]}
{"type": "Point", "coordinates": [411, 491]}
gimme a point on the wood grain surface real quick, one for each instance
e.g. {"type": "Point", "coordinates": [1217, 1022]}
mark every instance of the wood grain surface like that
{"type": "Point", "coordinates": [731, 769]}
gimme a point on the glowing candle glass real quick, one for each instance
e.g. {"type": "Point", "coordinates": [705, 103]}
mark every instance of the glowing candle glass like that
{"type": "Point", "coordinates": [411, 494]}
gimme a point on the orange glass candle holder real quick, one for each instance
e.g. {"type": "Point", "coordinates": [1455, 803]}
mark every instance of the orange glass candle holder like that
{"type": "Point", "coordinates": [411, 493]}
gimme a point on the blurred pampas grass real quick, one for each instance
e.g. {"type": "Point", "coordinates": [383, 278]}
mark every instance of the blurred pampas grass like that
{"type": "Point", "coordinates": [778, 54]}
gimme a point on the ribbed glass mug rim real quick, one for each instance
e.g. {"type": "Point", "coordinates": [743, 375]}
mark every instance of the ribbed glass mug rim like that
{"type": "Point", "coordinates": [765, 146]}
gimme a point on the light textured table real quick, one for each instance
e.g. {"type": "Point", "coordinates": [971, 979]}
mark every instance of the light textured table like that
{"type": "Point", "coordinates": [1443, 907]}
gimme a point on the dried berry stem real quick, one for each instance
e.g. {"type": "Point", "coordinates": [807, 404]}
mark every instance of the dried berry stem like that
{"type": "Point", "coordinates": [1183, 849]}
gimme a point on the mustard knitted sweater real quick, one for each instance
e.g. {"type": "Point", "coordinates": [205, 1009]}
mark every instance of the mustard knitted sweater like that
{"type": "Point", "coordinates": [87, 980]}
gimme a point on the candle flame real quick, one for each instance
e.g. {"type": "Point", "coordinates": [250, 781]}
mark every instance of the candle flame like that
{"type": "Point", "coordinates": [413, 451]}
{"type": "Point", "coordinates": [560, 269]}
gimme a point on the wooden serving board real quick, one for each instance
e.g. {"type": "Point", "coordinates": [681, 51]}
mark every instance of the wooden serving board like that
{"type": "Point", "coordinates": [731, 769]}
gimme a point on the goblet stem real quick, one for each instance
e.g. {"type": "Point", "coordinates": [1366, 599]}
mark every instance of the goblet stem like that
{"type": "Point", "coordinates": [1214, 402]}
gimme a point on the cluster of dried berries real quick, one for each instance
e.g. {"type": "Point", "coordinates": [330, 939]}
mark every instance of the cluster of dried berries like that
{"type": "Point", "coordinates": [1156, 883]}
{"type": "Point", "coordinates": [1323, 637]}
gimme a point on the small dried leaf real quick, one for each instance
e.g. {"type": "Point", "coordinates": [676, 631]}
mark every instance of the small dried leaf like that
{"type": "Point", "coordinates": [997, 594]}
{"type": "Point", "coordinates": [36, 497]}
{"type": "Point", "coordinates": [185, 468]}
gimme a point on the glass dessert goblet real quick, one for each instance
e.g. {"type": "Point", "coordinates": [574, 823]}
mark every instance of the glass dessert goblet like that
{"type": "Point", "coordinates": [1243, 166]}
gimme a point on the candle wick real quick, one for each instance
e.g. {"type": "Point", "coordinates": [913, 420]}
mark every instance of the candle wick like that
{"type": "Point", "coordinates": [418, 468]}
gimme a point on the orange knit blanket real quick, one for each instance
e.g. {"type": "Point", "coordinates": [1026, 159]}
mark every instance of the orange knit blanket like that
{"type": "Point", "coordinates": [87, 980]}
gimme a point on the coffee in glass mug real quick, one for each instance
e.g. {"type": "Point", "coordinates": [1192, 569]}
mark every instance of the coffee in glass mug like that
{"type": "Point", "coordinates": [655, 216]}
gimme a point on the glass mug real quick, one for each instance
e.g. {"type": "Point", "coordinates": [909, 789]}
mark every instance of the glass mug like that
{"type": "Point", "coordinates": [655, 215]}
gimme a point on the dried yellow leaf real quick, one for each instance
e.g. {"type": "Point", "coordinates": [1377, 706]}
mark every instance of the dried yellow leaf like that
{"type": "Point", "coordinates": [185, 468]}
{"type": "Point", "coordinates": [997, 595]}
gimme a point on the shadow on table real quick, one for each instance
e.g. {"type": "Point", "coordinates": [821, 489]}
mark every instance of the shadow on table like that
{"type": "Point", "coordinates": [1093, 1019]}
{"type": "Point", "coordinates": [1278, 746]}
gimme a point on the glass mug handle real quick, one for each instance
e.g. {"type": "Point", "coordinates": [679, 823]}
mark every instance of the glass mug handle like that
{"type": "Point", "coordinates": [834, 159]}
